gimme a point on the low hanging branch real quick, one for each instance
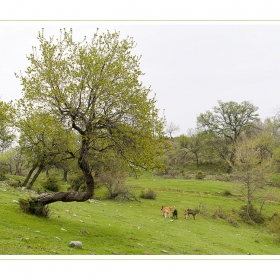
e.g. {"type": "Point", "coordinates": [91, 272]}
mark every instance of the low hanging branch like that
{"type": "Point", "coordinates": [45, 199]}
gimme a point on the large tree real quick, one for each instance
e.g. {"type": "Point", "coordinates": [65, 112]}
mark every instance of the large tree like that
{"type": "Point", "coordinates": [93, 87]}
{"type": "Point", "coordinates": [228, 121]}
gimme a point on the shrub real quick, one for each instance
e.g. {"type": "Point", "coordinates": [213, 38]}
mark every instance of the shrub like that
{"type": "Point", "coordinates": [148, 194]}
{"type": "Point", "coordinates": [2, 175]}
{"type": "Point", "coordinates": [14, 183]}
{"type": "Point", "coordinates": [226, 193]}
{"type": "Point", "coordinates": [77, 183]}
{"type": "Point", "coordinates": [274, 225]}
{"type": "Point", "coordinates": [201, 209]}
{"type": "Point", "coordinates": [232, 221]}
{"type": "Point", "coordinates": [218, 213]}
{"type": "Point", "coordinates": [200, 175]}
{"type": "Point", "coordinates": [51, 184]}
{"type": "Point", "coordinates": [32, 206]}
{"type": "Point", "coordinates": [223, 177]}
{"type": "Point", "coordinates": [253, 216]}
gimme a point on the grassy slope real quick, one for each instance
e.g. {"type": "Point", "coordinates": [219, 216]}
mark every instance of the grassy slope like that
{"type": "Point", "coordinates": [109, 227]}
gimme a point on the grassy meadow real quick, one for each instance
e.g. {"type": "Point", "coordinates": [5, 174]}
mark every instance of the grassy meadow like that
{"type": "Point", "coordinates": [110, 227]}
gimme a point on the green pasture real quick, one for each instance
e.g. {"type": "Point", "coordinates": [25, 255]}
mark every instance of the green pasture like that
{"type": "Point", "coordinates": [110, 227]}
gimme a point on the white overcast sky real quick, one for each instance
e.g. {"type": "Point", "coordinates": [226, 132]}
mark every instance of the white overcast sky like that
{"type": "Point", "coordinates": [190, 66]}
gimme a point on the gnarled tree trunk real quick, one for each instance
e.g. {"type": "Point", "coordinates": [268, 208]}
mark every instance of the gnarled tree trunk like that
{"type": "Point", "coordinates": [70, 196]}
{"type": "Point", "coordinates": [29, 174]}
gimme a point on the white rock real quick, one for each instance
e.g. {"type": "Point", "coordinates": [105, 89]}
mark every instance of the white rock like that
{"type": "Point", "coordinates": [76, 244]}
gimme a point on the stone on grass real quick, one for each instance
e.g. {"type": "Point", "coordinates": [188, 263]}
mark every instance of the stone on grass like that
{"type": "Point", "coordinates": [75, 244]}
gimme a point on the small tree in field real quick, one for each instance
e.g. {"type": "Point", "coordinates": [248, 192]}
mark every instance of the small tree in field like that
{"type": "Point", "coordinates": [250, 169]}
{"type": "Point", "coordinates": [93, 88]}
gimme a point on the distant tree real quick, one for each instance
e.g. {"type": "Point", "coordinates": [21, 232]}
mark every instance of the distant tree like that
{"type": "Point", "coordinates": [171, 128]}
{"type": "Point", "coordinates": [93, 87]}
{"type": "Point", "coordinates": [6, 133]}
{"type": "Point", "coordinates": [229, 120]}
{"type": "Point", "coordinates": [192, 143]}
{"type": "Point", "coordinates": [14, 160]}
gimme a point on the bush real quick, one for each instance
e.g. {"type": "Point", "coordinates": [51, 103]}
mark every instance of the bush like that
{"type": "Point", "coordinates": [218, 213]}
{"type": "Point", "coordinates": [227, 193]}
{"type": "Point", "coordinates": [148, 194]}
{"type": "Point", "coordinates": [232, 221]}
{"type": "Point", "coordinates": [253, 216]}
{"type": "Point", "coordinates": [2, 175]}
{"type": "Point", "coordinates": [222, 177]}
{"type": "Point", "coordinates": [274, 225]}
{"type": "Point", "coordinates": [32, 206]}
{"type": "Point", "coordinates": [77, 183]}
{"type": "Point", "coordinates": [51, 184]}
{"type": "Point", "coordinates": [201, 209]}
{"type": "Point", "coordinates": [14, 183]}
{"type": "Point", "coordinates": [200, 175]}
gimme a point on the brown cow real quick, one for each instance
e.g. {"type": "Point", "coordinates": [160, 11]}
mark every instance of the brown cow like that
{"type": "Point", "coordinates": [166, 211]}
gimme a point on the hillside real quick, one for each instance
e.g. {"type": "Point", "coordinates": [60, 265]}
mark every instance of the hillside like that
{"type": "Point", "coordinates": [109, 227]}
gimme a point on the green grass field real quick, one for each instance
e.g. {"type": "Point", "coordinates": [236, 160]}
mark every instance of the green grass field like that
{"type": "Point", "coordinates": [109, 227]}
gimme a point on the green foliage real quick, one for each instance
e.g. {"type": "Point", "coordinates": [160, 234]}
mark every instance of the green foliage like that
{"type": "Point", "coordinates": [77, 183]}
{"type": "Point", "coordinates": [274, 225]}
{"type": "Point", "coordinates": [2, 175]}
{"type": "Point", "coordinates": [232, 221]}
{"type": "Point", "coordinates": [200, 175]}
{"type": "Point", "coordinates": [148, 194]}
{"type": "Point", "coordinates": [227, 193]}
{"type": "Point", "coordinates": [251, 214]}
{"type": "Point", "coordinates": [32, 206]}
{"type": "Point", "coordinates": [51, 183]}
{"type": "Point", "coordinates": [14, 183]}
{"type": "Point", "coordinates": [219, 213]}
{"type": "Point", "coordinates": [6, 136]}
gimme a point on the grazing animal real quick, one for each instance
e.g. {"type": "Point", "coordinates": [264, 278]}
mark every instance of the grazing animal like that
{"type": "Point", "coordinates": [175, 214]}
{"type": "Point", "coordinates": [188, 212]}
{"type": "Point", "coordinates": [166, 211]}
